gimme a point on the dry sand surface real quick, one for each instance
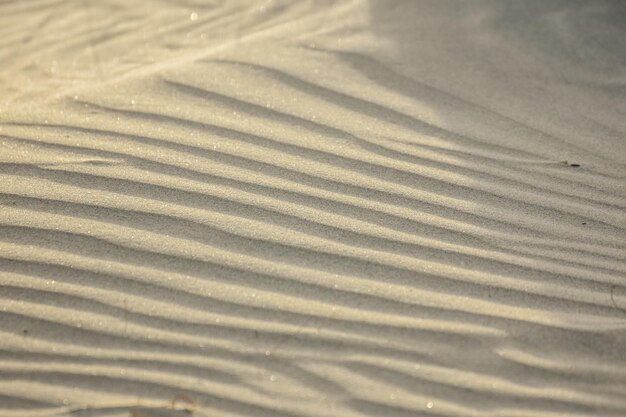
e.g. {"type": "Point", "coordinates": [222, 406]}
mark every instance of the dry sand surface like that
{"type": "Point", "coordinates": [312, 208]}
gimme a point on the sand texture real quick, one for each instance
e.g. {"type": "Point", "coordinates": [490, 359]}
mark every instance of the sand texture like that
{"type": "Point", "coordinates": [312, 208]}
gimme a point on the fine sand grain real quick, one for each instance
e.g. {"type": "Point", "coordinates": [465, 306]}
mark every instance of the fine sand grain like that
{"type": "Point", "coordinates": [312, 208]}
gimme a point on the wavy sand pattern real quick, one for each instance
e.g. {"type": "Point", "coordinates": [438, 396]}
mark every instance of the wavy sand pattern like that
{"type": "Point", "coordinates": [317, 208]}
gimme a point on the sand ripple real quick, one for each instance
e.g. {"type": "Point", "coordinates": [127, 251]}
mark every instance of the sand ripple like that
{"type": "Point", "coordinates": [298, 209]}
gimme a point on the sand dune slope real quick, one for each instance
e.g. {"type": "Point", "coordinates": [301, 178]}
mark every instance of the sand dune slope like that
{"type": "Point", "coordinates": [312, 208]}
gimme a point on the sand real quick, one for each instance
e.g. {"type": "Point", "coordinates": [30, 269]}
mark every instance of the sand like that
{"type": "Point", "coordinates": [321, 208]}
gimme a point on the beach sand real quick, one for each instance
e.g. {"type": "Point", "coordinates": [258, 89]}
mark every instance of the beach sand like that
{"type": "Point", "coordinates": [314, 208]}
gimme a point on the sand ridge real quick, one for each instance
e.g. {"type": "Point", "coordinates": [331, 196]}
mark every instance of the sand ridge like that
{"type": "Point", "coordinates": [279, 208]}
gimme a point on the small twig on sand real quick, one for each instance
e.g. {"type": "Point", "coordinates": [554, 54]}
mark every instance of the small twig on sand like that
{"type": "Point", "coordinates": [622, 309]}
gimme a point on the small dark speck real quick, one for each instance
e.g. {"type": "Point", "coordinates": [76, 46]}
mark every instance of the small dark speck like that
{"type": "Point", "coordinates": [574, 165]}
{"type": "Point", "coordinates": [25, 331]}
{"type": "Point", "coordinates": [584, 223]}
{"type": "Point", "coordinates": [98, 163]}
